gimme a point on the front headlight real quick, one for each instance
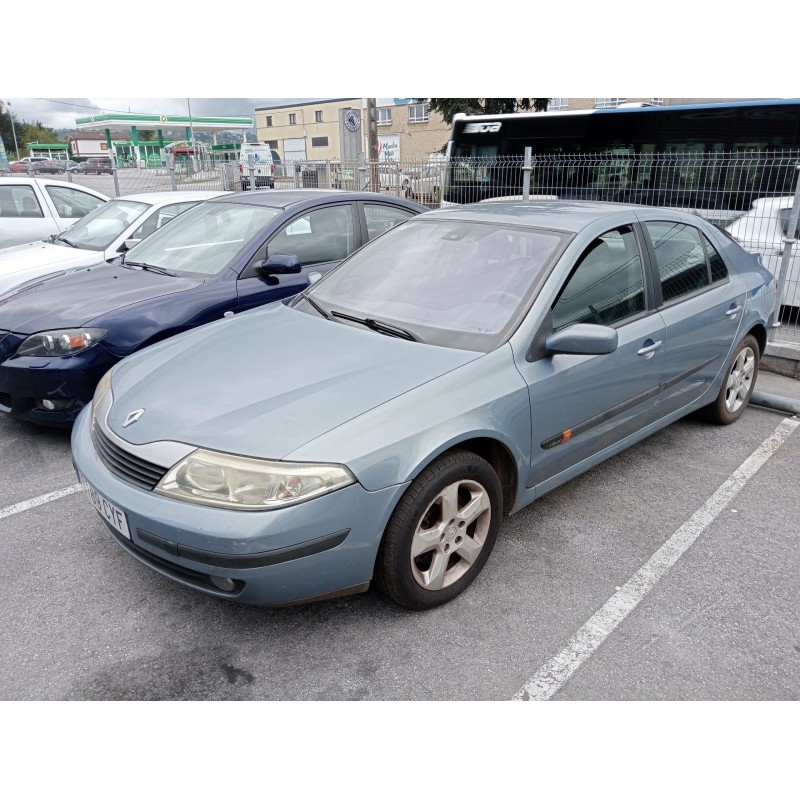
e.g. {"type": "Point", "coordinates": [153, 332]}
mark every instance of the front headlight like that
{"type": "Point", "coordinates": [249, 484]}
{"type": "Point", "coordinates": [60, 343]}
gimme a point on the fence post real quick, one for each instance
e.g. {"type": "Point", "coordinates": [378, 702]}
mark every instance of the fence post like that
{"type": "Point", "coordinates": [788, 245]}
{"type": "Point", "coordinates": [251, 168]}
{"type": "Point", "coordinates": [171, 168]}
{"type": "Point", "coordinates": [362, 169]}
{"type": "Point", "coordinates": [526, 175]}
{"type": "Point", "coordinates": [116, 177]}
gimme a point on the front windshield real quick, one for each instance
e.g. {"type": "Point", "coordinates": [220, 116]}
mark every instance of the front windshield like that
{"type": "Point", "coordinates": [100, 227]}
{"type": "Point", "coordinates": [456, 284]}
{"type": "Point", "coordinates": [203, 240]}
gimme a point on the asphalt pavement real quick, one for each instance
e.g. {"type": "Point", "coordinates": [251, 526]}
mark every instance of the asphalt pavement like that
{"type": "Point", "coordinates": [671, 572]}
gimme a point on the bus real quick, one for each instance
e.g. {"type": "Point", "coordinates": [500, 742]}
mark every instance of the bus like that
{"type": "Point", "coordinates": [719, 156]}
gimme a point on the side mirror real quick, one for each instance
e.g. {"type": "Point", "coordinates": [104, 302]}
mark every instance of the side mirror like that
{"type": "Point", "coordinates": [128, 244]}
{"type": "Point", "coordinates": [313, 277]}
{"type": "Point", "coordinates": [280, 264]}
{"type": "Point", "coordinates": [583, 339]}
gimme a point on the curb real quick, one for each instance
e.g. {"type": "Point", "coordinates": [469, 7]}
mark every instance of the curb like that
{"type": "Point", "coordinates": [775, 402]}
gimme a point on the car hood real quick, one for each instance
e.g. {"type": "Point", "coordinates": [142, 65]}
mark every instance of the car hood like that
{"type": "Point", "coordinates": [26, 262]}
{"type": "Point", "coordinates": [82, 297]}
{"type": "Point", "coordinates": [266, 382]}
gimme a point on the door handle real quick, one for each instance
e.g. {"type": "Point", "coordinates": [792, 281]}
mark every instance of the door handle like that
{"type": "Point", "coordinates": [732, 312]}
{"type": "Point", "coordinates": [648, 351]}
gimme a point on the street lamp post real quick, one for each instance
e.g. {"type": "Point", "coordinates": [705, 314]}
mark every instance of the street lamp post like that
{"type": "Point", "coordinates": [13, 129]}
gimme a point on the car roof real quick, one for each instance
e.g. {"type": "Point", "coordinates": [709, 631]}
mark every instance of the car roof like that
{"type": "Point", "coordinates": [165, 198]}
{"type": "Point", "coordinates": [283, 198]}
{"type": "Point", "coordinates": [566, 215]}
{"type": "Point", "coordinates": [20, 180]}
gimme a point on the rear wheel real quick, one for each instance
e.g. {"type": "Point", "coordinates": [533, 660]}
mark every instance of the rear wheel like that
{"type": "Point", "coordinates": [441, 532]}
{"type": "Point", "coordinates": [737, 388]}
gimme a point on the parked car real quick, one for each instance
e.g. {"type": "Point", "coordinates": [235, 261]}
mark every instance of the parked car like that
{"type": "Point", "coordinates": [48, 167]}
{"type": "Point", "coordinates": [27, 163]}
{"type": "Point", "coordinates": [96, 166]}
{"type": "Point", "coordinates": [31, 209]}
{"type": "Point", "coordinates": [376, 427]}
{"type": "Point", "coordinates": [233, 253]}
{"type": "Point", "coordinates": [427, 186]}
{"type": "Point", "coordinates": [17, 167]}
{"type": "Point", "coordinates": [763, 230]}
{"type": "Point", "coordinates": [111, 229]}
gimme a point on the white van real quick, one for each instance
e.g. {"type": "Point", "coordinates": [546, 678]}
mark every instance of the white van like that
{"type": "Point", "coordinates": [263, 165]}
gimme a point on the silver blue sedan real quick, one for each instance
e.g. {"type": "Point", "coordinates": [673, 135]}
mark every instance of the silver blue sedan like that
{"type": "Point", "coordinates": [376, 427]}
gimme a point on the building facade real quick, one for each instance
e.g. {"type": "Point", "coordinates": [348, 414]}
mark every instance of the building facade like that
{"type": "Point", "coordinates": [334, 130]}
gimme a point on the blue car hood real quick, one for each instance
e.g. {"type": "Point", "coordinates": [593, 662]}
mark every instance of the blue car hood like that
{"type": "Point", "coordinates": [267, 381]}
{"type": "Point", "coordinates": [79, 298]}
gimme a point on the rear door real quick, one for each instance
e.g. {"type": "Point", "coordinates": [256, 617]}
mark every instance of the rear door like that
{"type": "Point", "coordinates": [701, 302]}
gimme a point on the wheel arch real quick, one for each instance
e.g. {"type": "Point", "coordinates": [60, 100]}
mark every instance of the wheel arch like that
{"type": "Point", "coordinates": [495, 453]}
{"type": "Point", "coordinates": [759, 332]}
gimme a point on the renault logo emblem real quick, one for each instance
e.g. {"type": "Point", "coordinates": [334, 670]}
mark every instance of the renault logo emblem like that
{"type": "Point", "coordinates": [134, 416]}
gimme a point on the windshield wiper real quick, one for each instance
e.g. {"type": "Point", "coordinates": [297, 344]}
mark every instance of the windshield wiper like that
{"type": "Point", "coordinates": [66, 241]}
{"type": "Point", "coordinates": [380, 327]}
{"type": "Point", "coordinates": [314, 305]}
{"type": "Point", "coordinates": [150, 268]}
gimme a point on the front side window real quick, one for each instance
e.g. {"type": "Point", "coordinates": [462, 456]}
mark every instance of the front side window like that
{"type": "Point", "coordinates": [607, 285]}
{"type": "Point", "coordinates": [418, 113]}
{"type": "Point", "coordinates": [205, 239]}
{"type": "Point", "coordinates": [71, 203]}
{"type": "Point", "coordinates": [319, 236]}
{"type": "Point", "coordinates": [680, 257]}
{"type": "Point", "coordinates": [100, 227]}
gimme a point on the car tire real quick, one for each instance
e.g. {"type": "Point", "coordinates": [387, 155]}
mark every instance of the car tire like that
{"type": "Point", "coordinates": [441, 532]}
{"type": "Point", "coordinates": [737, 386]}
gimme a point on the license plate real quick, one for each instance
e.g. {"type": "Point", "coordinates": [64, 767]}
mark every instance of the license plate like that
{"type": "Point", "coordinates": [114, 516]}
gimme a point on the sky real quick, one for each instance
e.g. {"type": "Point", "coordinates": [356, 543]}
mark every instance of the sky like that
{"type": "Point", "coordinates": [61, 112]}
{"type": "Point", "coordinates": [338, 52]}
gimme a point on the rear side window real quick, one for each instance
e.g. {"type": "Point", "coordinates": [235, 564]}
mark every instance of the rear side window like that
{"type": "Point", "coordinates": [681, 259]}
{"type": "Point", "coordinates": [19, 201]}
{"type": "Point", "coordinates": [380, 218]}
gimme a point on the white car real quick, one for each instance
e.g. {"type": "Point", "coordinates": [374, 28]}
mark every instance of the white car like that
{"type": "Point", "coordinates": [100, 236]}
{"type": "Point", "coordinates": [763, 230]}
{"type": "Point", "coordinates": [31, 209]}
{"type": "Point", "coordinates": [427, 186]}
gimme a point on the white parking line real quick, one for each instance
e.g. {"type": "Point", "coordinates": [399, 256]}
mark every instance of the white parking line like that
{"type": "Point", "coordinates": [558, 670]}
{"type": "Point", "coordinates": [38, 501]}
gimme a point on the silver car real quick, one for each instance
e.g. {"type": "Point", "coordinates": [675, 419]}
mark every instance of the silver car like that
{"type": "Point", "coordinates": [376, 428]}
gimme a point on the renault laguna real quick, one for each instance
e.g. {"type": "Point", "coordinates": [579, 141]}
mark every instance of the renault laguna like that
{"type": "Point", "coordinates": [375, 428]}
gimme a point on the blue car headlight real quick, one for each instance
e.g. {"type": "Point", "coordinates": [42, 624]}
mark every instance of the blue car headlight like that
{"type": "Point", "coordinates": [61, 342]}
{"type": "Point", "coordinates": [211, 478]}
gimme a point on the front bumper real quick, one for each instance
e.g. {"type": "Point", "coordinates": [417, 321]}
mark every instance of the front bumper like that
{"type": "Point", "coordinates": [26, 381]}
{"type": "Point", "coordinates": [318, 549]}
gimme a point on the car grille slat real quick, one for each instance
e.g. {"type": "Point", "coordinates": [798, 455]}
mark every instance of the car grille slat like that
{"type": "Point", "coordinates": [125, 465]}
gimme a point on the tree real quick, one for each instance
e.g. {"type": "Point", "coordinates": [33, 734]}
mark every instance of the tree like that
{"type": "Point", "coordinates": [36, 132]}
{"type": "Point", "coordinates": [448, 107]}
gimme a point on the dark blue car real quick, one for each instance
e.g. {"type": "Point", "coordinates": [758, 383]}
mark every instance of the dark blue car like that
{"type": "Point", "coordinates": [60, 335]}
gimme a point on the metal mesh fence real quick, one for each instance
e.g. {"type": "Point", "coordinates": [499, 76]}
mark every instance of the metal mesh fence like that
{"type": "Point", "coordinates": [748, 194]}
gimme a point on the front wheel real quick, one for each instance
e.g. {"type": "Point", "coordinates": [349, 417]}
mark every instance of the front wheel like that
{"type": "Point", "coordinates": [740, 380]}
{"type": "Point", "coordinates": [441, 532]}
